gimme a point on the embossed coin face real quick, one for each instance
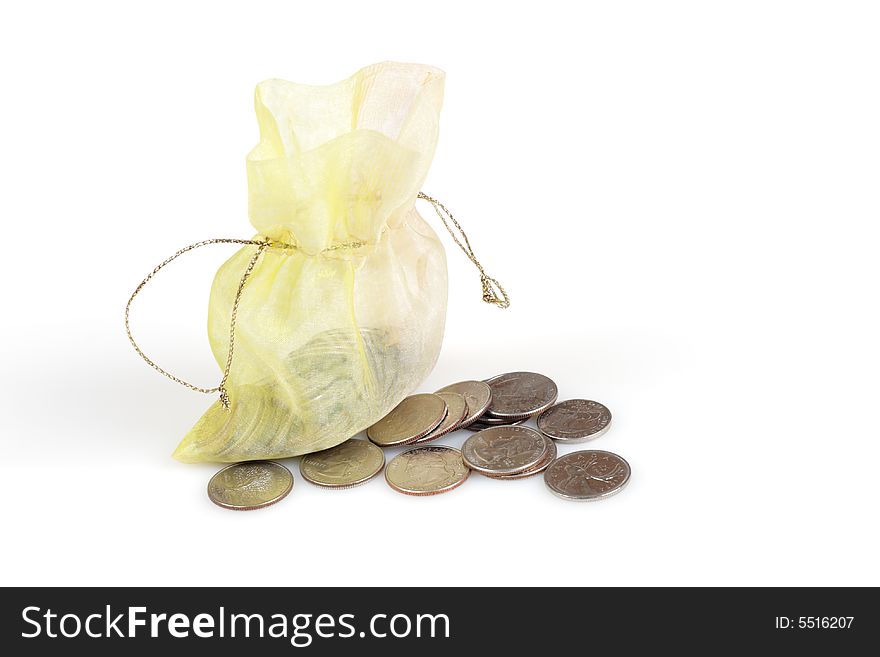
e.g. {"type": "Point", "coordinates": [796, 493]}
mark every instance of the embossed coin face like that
{"type": "Point", "coordinates": [520, 394]}
{"type": "Point", "coordinates": [537, 469]}
{"type": "Point", "coordinates": [457, 411]}
{"type": "Point", "coordinates": [250, 485]}
{"type": "Point", "coordinates": [477, 395]}
{"type": "Point", "coordinates": [414, 417]}
{"type": "Point", "coordinates": [504, 450]}
{"type": "Point", "coordinates": [587, 475]}
{"type": "Point", "coordinates": [427, 470]}
{"type": "Point", "coordinates": [575, 421]}
{"type": "Point", "coordinates": [350, 464]}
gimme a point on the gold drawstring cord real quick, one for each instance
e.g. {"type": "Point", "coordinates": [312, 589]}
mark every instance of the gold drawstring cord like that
{"type": "Point", "coordinates": [224, 397]}
{"type": "Point", "coordinates": [489, 289]}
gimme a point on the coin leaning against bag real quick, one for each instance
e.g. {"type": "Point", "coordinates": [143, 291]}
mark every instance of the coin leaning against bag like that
{"type": "Point", "coordinates": [587, 475]}
{"type": "Point", "coordinates": [414, 417]}
{"type": "Point", "coordinates": [477, 395]}
{"type": "Point", "coordinates": [504, 450]}
{"type": "Point", "coordinates": [575, 421]}
{"type": "Point", "coordinates": [250, 485]}
{"type": "Point", "coordinates": [427, 470]}
{"type": "Point", "coordinates": [347, 465]}
{"type": "Point", "coordinates": [518, 395]}
{"type": "Point", "coordinates": [456, 413]}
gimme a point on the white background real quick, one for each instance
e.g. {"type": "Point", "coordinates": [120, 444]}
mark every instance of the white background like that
{"type": "Point", "coordinates": [681, 198]}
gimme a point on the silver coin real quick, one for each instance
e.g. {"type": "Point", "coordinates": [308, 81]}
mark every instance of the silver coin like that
{"type": "Point", "coordinates": [504, 450]}
{"type": "Point", "coordinates": [414, 417]}
{"type": "Point", "coordinates": [587, 475]}
{"type": "Point", "coordinates": [427, 470]}
{"type": "Point", "coordinates": [535, 470]}
{"type": "Point", "coordinates": [477, 394]}
{"type": "Point", "coordinates": [575, 421]}
{"type": "Point", "coordinates": [250, 485]}
{"type": "Point", "coordinates": [521, 394]}
{"type": "Point", "coordinates": [350, 464]}
{"type": "Point", "coordinates": [458, 411]}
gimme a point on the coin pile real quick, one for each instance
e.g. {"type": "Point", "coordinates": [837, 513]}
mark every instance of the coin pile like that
{"type": "Point", "coordinates": [500, 447]}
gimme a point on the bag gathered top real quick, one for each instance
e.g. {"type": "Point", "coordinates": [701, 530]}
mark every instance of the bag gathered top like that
{"type": "Point", "coordinates": [334, 312]}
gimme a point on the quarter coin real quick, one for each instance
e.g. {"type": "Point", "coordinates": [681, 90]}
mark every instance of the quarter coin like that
{"type": "Point", "coordinates": [521, 394]}
{"type": "Point", "coordinates": [575, 421]}
{"type": "Point", "coordinates": [587, 475]}
{"type": "Point", "coordinates": [504, 450]}
{"type": "Point", "coordinates": [538, 469]}
{"type": "Point", "coordinates": [458, 411]}
{"type": "Point", "coordinates": [414, 417]}
{"type": "Point", "coordinates": [250, 485]}
{"type": "Point", "coordinates": [350, 464]}
{"type": "Point", "coordinates": [427, 470]}
{"type": "Point", "coordinates": [477, 394]}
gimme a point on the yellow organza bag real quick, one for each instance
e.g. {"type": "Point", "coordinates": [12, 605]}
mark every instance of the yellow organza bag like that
{"type": "Point", "coordinates": [335, 311]}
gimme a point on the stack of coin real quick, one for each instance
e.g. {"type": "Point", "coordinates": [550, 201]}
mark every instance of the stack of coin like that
{"type": "Point", "coordinates": [457, 412]}
{"type": "Point", "coordinates": [508, 452]}
{"type": "Point", "coordinates": [499, 448]}
{"type": "Point", "coordinates": [413, 418]}
{"type": "Point", "coordinates": [477, 395]}
{"type": "Point", "coordinates": [516, 397]}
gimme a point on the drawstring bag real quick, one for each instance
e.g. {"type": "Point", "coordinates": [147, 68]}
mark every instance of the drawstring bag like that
{"type": "Point", "coordinates": [335, 311]}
